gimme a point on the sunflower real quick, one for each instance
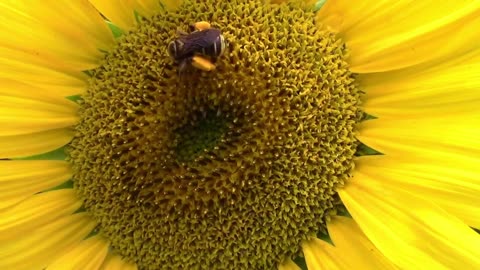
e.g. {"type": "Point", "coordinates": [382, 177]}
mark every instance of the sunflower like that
{"type": "Point", "coordinates": [331, 135]}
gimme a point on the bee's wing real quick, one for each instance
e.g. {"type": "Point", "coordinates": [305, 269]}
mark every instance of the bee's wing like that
{"type": "Point", "coordinates": [195, 41]}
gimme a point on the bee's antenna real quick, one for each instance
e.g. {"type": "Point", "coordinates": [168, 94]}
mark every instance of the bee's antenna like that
{"type": "Point", "coordinates": [180, 32]}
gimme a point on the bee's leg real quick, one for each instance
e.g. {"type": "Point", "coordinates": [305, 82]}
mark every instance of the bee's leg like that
{"type": "Point", "coordinates": [183, 65]}
{"type": "Point", "coordinates": [199, 26]}
{"type": "Point", "coordinates": [180, 32]}
{"type": "Point", "coordinates": [202, 63]}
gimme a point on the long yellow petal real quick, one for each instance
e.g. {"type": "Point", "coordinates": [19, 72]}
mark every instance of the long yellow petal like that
{"type": "Point", "coordinates": [37, 211]}
{"type": "Point", "coordinates": [12, 88]}
{"type": "Point", "coordinates": [36, 143]}
{"type": "Point", "coordinates": [351, 250]}
{"type": "Point", "coordinates": [450, 135]}
{"type": "Point", "coordinates": [445, 88]}
{"type": "Point", "coordinates": [119, 12]}
{"type": "Point", "coordinates": [410, 231]}
{"type": "Point", "coordinates": [318, 259]}
{"type": "Point", "coordinates": [20, 66]}
{"type": "Point", "coordinates": [38, 248]}
{"type": "Point", "coordinates": [148, 7]}
{"type": "Point", "coordinates": [20, 116]}
{"type": "Point", "coordinates": [83, 26]}
{"type": "Point", "coordinates": [71, 32]}
{"type": "Point", "coordinates": [172, 4]}
{"type": "Point", "coordinates": [288, 265]}
{"type": "Point", "coordinates": [437, 157]}
{"type": "Point", "coordinates": [115, 262]}
{"type": "Point", "coordinates": [89, 254]}
{"type": "Point", "coordinates": [353, 247]}
{"type": "Point", "coordinates": [451, 183]}
{"type": "Point", "coordinates": [386, 35]}
{"type": "Point", "coordinates": [20, 179]}
{"type": "Point", "coordinates": [122, 13]}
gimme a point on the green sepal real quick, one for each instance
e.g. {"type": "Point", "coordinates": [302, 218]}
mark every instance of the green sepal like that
{"type": "Point", "coordinates": [75, 98]}
{"type": "Point", "coordinates": [116, 31]}
{"type": "Point", "coordinates": [57, 154]}
{"type": "Point", "coordinates": [365, 150]}
{"type": "Point", "coordinates": [300, 261]}
{"type": "Point", "coordinates": [319, 5]}
{"type": "Point", "coordinates": [65, 185]}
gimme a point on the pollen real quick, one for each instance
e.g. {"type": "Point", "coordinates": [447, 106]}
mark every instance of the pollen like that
{"type": "Point", "coordinates": [227, 169]}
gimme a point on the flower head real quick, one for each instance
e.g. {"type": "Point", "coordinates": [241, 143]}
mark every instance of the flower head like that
{"type": "Point", "coordinates": [355, 124]}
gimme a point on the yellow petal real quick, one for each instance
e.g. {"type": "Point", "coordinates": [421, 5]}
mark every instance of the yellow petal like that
{"type": "Point", "coordinates": [450, 135]}
{"type": "Point", "coordinates": [318, 259]}
{"type": "Point", "coordinates": [148, 7]}
{"type": "Point", "coordinates": [20, 116]}
{"type": "Point", "coordinates": [37, 211]}
{"type": "Point", "coordinates": [386, 35]}
{"type": "Point", "coordinates": [410, 231]}
{"type": "Point", "coordinates": [288, 265]}
{"type": "Point", "coordinates": [351, 250]}
{"type": "Point", "coordinates": [89, 254]}
{"type": "Point", "coordinates": [12, 88]}
{"type": "Point", "coordinates": [445, 88]}
{"type": "Point", "coordinates": [38, 248]}
{"type": "Point", "coordinates": [437, 157]}
{"type": "Point", "coordinates": [119, 12]}
{"type": "Point", "coordinates": [71, 32]}
{"type": "Point", "coordinates": [451, 183]}
{"type": "Point", "coordinates": [20, 179]}
{"type": "Point", "coordinates": [20, 66]}
{"type": "Point", "coordinates": [122, 13]}
{"type": "Point", "coordinates": [304, 4]}
{"type": "Point", "coordinates": [115, 262]}
{"type": "Point", "coordinates": [353, 247]}
{"type": "Point", "coordinates": [36, 143]}
{"type": "Point", "coordinates": [83, 26]}
{"type": "Point", "coordinates": [172, 4]}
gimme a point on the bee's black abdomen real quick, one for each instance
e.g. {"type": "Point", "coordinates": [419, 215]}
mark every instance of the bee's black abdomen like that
{"type": "Point", "coordinates": [208, 42]}
{"type": "Point", "coordinates": [202, 42]}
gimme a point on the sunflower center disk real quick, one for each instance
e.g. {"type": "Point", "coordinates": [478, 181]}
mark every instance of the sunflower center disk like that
{"type": "Point", "coordinates": [229, 169]}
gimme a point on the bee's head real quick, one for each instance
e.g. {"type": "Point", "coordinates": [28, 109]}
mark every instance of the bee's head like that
{"type": "Point", "coordinates": [172, 49]}
{"type": "Point", "coordinates": [221, 46]}
{"type": "Point", "coordinates": [175, 48]}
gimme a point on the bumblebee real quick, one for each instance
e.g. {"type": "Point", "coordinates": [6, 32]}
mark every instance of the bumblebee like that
{"type": "Point", "coordinates": [200, 48]}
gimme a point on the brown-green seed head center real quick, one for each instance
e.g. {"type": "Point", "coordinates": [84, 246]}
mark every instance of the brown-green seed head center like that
{"type": "Point", "coordinates": [229, 169]}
